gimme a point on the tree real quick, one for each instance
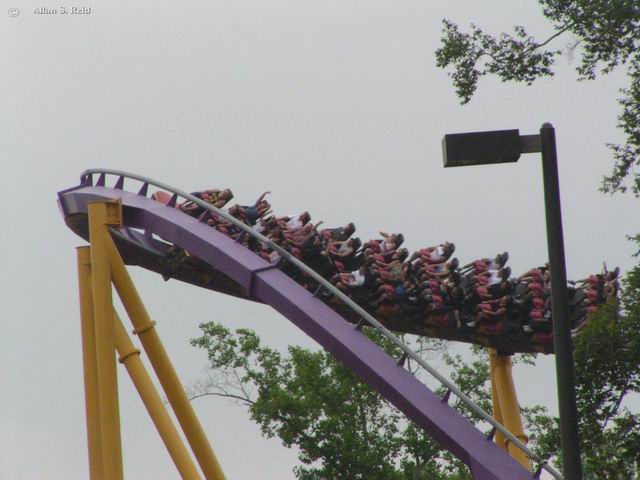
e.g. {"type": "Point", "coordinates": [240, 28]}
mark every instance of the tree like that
{"type": "Point", "coordinates": [342, 428]}
{"type": "Point", "coordinates": [606, 36]}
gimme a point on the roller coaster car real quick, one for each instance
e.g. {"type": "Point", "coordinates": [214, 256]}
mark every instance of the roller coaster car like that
{"type": "Point", "coordinates": [525, 325]}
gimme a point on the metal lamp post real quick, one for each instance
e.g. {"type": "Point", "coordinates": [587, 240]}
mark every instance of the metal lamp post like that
{"type": "Point", "coordinates": [504, 146]}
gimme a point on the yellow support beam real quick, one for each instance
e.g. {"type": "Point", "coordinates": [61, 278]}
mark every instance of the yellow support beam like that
{"type": "Point", "coordinates": [144, 327]}
{"type": "Point", "coordinates": [130, 358]}
{"type": "Point", "coordinates": [102, 334]}
{"type": "Point", "coordinates": [99, 219]}
{"type": "Point", "coordinates": [89, 363]}
{"type": "Point", "coordinates": [503, 390]}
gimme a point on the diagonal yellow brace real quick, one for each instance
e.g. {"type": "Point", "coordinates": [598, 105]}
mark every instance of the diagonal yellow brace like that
{"type": "Point", "coordinates": [159, 359]}
{"type": "Point", "coordinates": [130, 358]}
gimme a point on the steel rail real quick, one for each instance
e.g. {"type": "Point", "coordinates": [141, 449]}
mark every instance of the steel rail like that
{"type": "Point", "coordinates": [475, 408]}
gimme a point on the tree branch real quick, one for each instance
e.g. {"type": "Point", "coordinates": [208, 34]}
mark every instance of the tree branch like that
{"type": "Point", "coordinates": [548, 40]}
{"type": "Point", "coordinates": [615, 408]}
{"type": "Point", "coordinates": [241, 385]}
{"type": "Point", "coordinates": [248, 401]}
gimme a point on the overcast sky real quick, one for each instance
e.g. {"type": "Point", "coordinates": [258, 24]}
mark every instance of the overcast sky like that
{"type": "Point", "coordinates": [336, 107]}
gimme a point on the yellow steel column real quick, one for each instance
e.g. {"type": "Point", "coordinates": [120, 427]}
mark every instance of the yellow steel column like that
{"type": "Point", "coordinates": [495, 401]}
{"type": "Point", "coordinates": [105, 341]}
{"type": "Point", "coordinates": [144, 328]}
{"type": "Point", "coordinates": [509, 407]}
{"type": "Point", "coordinates": [130, 358]}
{"type": "Point", "coordinates": [87, 328]}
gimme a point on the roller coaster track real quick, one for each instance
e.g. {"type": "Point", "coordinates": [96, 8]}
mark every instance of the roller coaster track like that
{"type": "Point", "coordinates": [149, 225]}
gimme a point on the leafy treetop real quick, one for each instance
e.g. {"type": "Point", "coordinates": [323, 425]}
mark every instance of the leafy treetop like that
{"type": "Point", "coordinates": [606, 36]}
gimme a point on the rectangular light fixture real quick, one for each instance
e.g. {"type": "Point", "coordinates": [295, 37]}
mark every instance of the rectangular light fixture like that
{"type": "Point", "coordinates": [481, 148]}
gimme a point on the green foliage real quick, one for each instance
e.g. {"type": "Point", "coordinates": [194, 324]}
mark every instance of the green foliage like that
{"type": "Point", "coordinates": [510, 57]}
{"type": "Point", "coordinates": [345, 430]}
{"type": "Point", "coordinates": [627, 156]}
{"type": "Point", "coordinates": [606, 36]}
{"type": "Point", "coordinates": [342, 428]}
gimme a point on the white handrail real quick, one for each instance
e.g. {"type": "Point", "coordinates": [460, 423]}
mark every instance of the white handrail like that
{"type": "Point", "coordinates": [475, 408]}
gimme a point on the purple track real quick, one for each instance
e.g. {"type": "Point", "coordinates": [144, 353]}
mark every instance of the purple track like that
{"type": "Point", "coordinates": [258, 280]}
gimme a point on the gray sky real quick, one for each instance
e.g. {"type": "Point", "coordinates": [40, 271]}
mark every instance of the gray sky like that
{"type": "Point", "coordinates": [336, 107]}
